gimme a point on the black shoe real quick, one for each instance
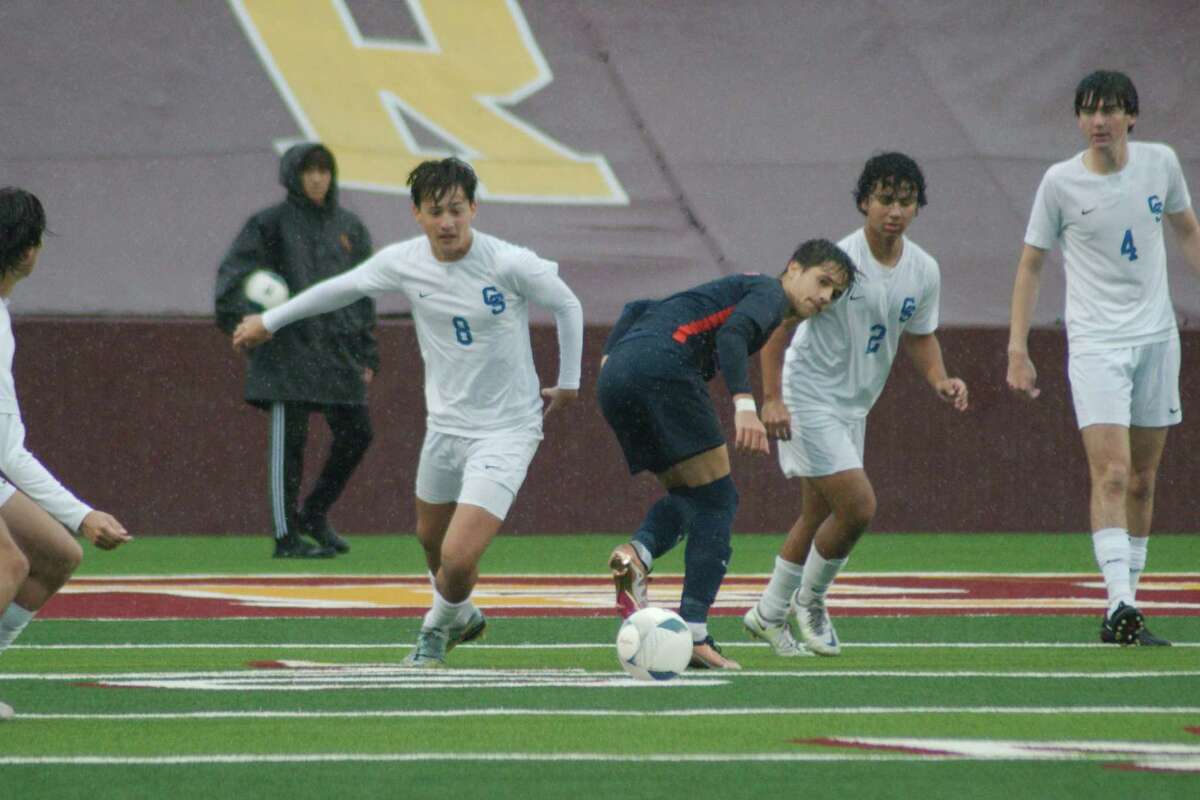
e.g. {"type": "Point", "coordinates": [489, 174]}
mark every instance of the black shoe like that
{"type": "Point", "coordinates": [292, 546]}
{"type": "Point", "coordinates": [324, 534]}
{"type": "Point", "coordinates": [1144, 638]}
{"type": "Point", "coordinates": [1122, 626]}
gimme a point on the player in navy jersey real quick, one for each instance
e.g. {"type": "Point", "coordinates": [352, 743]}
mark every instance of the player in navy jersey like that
{"type": "Point", "coordinates": [652, 391]}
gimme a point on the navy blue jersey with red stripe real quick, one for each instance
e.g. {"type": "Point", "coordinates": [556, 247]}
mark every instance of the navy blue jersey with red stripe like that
{"type": "Point", "coordinates": [715, 325]}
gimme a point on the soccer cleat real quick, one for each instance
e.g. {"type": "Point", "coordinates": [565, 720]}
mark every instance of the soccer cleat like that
{"type": "Point", "coordinates": [292, 546]}
{"type": "Point", "coordinates": [778, 636]}
{"type": "Point", "coordinates": [816, 628]}
{"type": "Point", "coordinates": [1123, 625]}
{"type": "Point", "coordinates": [707, 655]}
{"type": "Point", "coordinates": [469, 631]}
{"type": "Point", "coordinates": [430, 652]}
{"type": "Point", "coordinates": [1144, 637]}
{"type": "Point", "coordinates": [323, 533]}
{"type": "Point", "coordinates": [6, 712]}
{"type": "Point", "coordinates": [631, 579]}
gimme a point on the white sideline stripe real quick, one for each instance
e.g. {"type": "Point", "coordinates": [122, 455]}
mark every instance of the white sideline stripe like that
{"type": "Point", "coordinates": [321, 758]}
{"type": "Point", "coordinates": [423, 578]}
{"type": "Point", "coordinates": [559, 646]}
{"type": "Point", "coordinates": [594, 712]}
{"type": "Point", "coordinates": [333, 671]}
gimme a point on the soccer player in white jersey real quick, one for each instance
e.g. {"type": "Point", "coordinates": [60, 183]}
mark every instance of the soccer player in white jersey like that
{"type": "Point", "coordinates": [469, 293]}
{"type": "Point", "coordinates": [37, 514]}
{"type": "Point", "coordinates": [818, 390]}
{"type": "Point", "coordinates": [1105, 207]}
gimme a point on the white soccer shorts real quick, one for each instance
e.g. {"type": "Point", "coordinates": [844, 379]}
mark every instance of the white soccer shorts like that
{"type": "Point", "coordinates": [7, 490]}
{"type": "Point", "coordinates": [1128, 386]}
{"type": "Point", "coordinates": [486, 472]}
{"type": "Point", "coordinates": [822, 444]}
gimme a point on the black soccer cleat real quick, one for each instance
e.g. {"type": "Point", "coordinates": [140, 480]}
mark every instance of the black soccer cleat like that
{"type": "Point", "coordinates": [1122, 626]}
{"type": "Point", "coordinates": [323, 533]}
{"type": "Point", "coordinates": [1144, 638]}
{"type": "Point", "coordinates": [292, 546]}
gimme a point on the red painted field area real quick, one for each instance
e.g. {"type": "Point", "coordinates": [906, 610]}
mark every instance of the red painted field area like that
{"type": "Point", "coordinates": [405, 596]}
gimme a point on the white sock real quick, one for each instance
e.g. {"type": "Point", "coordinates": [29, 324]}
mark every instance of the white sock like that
{"type": "Point", "coordinates": [819, 574]}
{"type": "Point", "coordinates": [785, 580]}
{"type": "Point", "coordinates": [1137, 561]}
{"type": "Point", "coordinates": [12, 622]}
{"type": "Point", "coordinates": [699, 631]}
{"type": "Point", "coordinates": [644, 554]}
{"type": "Point", "coordinates": [432, 580]}
{"type": "Point", "coordinates": [443, 613]}
{"type": "Point", "coordinates": [1111, 546]}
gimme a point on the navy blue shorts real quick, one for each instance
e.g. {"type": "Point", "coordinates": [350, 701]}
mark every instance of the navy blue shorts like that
{"type": "Point", "coordinates": [657, 405]}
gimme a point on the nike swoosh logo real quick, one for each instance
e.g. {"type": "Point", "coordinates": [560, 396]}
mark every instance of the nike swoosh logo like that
{"type": "Point", "coordinates": [423, 295]}
{"type": "Point", "coordinates": [1173, 410]}
{"type": "Point", "coordinates": [857, 296]}
{"type": "Point", "coordinates": [1087, 211]}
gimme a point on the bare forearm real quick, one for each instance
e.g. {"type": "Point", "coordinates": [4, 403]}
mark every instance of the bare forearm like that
{"type": "Point", "coordinates": [771, 361]}
{"type": "Point", "coordinates": [1024, 300]}
{"type": "Point", "coordinates": [926, 354]}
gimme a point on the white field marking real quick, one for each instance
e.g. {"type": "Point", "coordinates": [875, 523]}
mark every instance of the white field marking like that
{"type": "Point", "coordinates": [595, 712]}
{"type": "Point", "coordinates": [325, 758]}
{"type": "Point", "coordinates": [1031, 749]}
{"type": "Point", "coordinates": [764, 576]}
{"type": "Point", "coordinates": [553, 646]}
{"type": "Point", "coordinates": [301, 671]}
{"type": "Point", "coordinates": [1169, 762]}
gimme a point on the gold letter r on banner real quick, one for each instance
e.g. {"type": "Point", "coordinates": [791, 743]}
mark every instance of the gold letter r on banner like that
{"type": "Point", "coordinates": [359, 95]}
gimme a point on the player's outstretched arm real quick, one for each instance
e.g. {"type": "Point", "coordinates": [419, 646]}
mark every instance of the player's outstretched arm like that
{"type": "Point", "coordinates": [926, 353]}
{"type": "Point", "coordinates": [250, 333]}
{"type": "Point", "coordinates": [1022, 375]}
{"type": "Point", "coordinates": [775, 416]}
{"type": "Point", "coordinates": [104, 531]}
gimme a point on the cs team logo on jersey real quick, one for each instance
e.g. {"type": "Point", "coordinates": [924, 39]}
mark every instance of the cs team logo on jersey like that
{"type": "Point", "coordinates": [1156, 207]}
{"type": "Point", "coordinates": [494, 298]}
{"type": "Point", "coordinates": [908, 308]}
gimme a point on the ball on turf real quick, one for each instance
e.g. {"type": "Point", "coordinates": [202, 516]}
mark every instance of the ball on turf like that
{"type": "Point", "coordinates": [654, 644]}
{"type": "Point", "coordinates": [265, 288]}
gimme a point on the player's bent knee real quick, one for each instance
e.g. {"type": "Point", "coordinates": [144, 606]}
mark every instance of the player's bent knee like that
{"type": "Point", "coordinates": [14, 567]}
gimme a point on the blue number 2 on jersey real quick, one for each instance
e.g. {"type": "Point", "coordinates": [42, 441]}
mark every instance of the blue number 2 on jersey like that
{"type": "Point", "coordinates": [877, 334]}
{"type": "Point", "coordinates": [1127, 248]}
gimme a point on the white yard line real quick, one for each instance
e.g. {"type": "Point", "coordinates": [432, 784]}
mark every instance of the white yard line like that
{"type": "Point", "coordinates": [554, 646]}
{"type": "Point", "coordinates": [596, 712]}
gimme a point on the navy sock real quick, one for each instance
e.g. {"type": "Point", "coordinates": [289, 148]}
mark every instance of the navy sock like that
{"type": "Point", "coordinates": [708, 550]}
{"type": "Point", "coordinates": [665, 524]}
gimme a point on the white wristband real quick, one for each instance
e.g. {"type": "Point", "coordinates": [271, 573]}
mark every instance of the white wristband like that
{"type": "Point", "coordinates": [745, 404]}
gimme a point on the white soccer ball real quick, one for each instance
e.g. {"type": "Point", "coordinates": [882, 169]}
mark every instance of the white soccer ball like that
{"type": "Point", "coordinates": [654, 644]}
{"type": "Point", "coordinates": [265, 288]}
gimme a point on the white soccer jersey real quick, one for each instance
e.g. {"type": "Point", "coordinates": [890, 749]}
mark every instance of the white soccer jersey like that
{"type": "Point", "coordinates": [839, 360]}
{"type": "Point", "coordinates": [472, 323]}
{"type": "Point", "coordinates": [1110, 227]}
{"type": "Point", "coordinates": [20, 466]}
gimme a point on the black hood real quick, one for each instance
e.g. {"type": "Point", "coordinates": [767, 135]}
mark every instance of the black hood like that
{"type": "Point", "coordinates": [289, 174]}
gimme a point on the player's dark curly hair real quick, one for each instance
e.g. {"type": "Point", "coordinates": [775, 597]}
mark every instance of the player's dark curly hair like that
{"type": "Point", "coordinates": [818, 251]}
{"type": "Point", "coordinates": [1104, 86]}
{"type": "Point", "coordinates": [434, 179]}
{"type": "Point", "coordinates": [889, 170]}
{"type": "Point", "coordinates": [22, 223]}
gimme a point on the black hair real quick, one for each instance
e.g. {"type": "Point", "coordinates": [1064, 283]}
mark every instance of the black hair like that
{"type": "Point", "coordinates": [318, 158]}
{"type": "Point", "coordinates": [436, 179]}
{"type": "Point", "coordinates": [814, 252]}
{"type": "Point", "coordinates": [1104, 86]}
{"type": "Point", "coordinates": [889, 170]}
{"type": "Point", "coordinates": [22, 223]}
